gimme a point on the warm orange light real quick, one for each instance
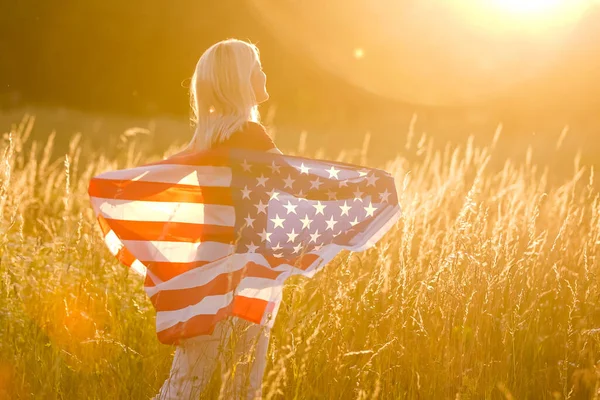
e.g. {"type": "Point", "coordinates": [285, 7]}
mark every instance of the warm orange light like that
{"type": "Point", "coordinates": [533, 16]}
{"type": "Point", "coordinates": [529, 6]}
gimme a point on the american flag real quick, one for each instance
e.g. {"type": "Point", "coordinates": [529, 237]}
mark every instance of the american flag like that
{"type": "Point", "coordinates": [217, 233]}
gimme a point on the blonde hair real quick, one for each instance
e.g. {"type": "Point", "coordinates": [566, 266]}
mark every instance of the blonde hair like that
{"type": "Point", "coordinates": [221, 94]}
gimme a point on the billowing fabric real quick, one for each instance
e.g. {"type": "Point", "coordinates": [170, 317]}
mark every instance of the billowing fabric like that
{"type": "Point", "coordinates": [217, 233]}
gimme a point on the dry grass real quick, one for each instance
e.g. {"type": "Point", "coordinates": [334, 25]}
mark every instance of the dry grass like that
{"type": "Point", "coordinates": [487, 288]}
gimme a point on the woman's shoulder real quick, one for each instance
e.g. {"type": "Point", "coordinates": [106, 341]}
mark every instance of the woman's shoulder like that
{"type": "Point", "coordinates": [252, 136]}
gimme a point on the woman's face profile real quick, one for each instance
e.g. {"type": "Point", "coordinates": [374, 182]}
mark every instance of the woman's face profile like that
{"type": "Point", "coordinates": [259, 83]}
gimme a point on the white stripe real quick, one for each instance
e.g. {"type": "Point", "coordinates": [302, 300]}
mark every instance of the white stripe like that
{"type": "Point", "coordinates": [158, 211]}
{"type": "Point", "coordinates": [113, 242]}
{"type": "Point", "coordinates": [174, 173]}
{"type": "Point", "coordinates": [208, 305]}
{"type": "Point", "coordinates": [199, 277]}
{"type": "Point", "coordinates": [138, 267]}
{"type": "Point", "coordinates": [258, 288]}
{"type": "Point", "coordinates": [148, 250]}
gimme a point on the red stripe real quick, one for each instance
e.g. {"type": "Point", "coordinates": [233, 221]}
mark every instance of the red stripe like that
{"type": "Point", "coordinates": [165, 270]}
{"type": "Point", "coordinates": [159, 191]}
{"type": "Point", "coordinates": [170, 300]}
{"type": "Point", "coordinates": [213, 157]}
{"type": "Point", "coordinates": [243, 307]}
{"type": "Point", "coordinates": [171, 231]}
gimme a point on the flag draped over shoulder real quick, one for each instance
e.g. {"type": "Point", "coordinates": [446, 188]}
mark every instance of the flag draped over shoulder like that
{"type": "Point", "coordinates": [217, 233]}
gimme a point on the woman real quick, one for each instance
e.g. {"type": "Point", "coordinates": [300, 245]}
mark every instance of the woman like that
{"type": "Point", "coordinates": [226, 88]}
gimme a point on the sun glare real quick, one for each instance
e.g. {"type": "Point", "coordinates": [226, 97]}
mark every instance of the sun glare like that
{"type": "Point", "coordinates": [529, 7]}
{"type": "Point", "coordinates": [534, 16]}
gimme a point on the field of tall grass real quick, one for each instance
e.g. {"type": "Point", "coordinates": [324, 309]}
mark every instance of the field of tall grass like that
{"type": "Point", "coordinates": [487, 288]}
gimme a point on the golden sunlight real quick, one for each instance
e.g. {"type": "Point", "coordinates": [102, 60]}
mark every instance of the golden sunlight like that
{"type": "Point", "coordinates": [532, 16]}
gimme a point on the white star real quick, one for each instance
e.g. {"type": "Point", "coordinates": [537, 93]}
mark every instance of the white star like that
{"type": "Point", "coordinates": [278, 221]}
{"type": "Point", "coordinates": [331, 223]}
{"type": "Point", "coordinates": [330, 195]}
{"type": "Point", "coordinates": [251, 247]}
{"type": "Point", "coordinates": [290, 207]}
{"type": "Point", "coordinates": [372, 179]}
{"type": "Point", "coordinates": [300, 195]}
{"type": "Point", "coordinates": [317, 247]}
{"type": "Point", "coordinates": [384, 196]}
{"type": "Point", "coordinates": [289, 182]}
{"type": "Point", "coordinates": [274, 167]}
{"type": "Point", "coordinates": [246, 193]}
{"type": "Point", "coordinates": [306, 222]}
{"type": "Point", "coordinates": [315, 184]}
{"type": "Point", "coordinates": [260, 207]}
{"type": "Point", "coordinates": [303, 169]}
{"type": "Point", "coordinates": [354, 222]}
{"type": "Point", "coordinates": [261, 180]}
{"type": "Point", "coordinates": [265, 236]}
{"type": "Point", "coordinates": [319, 207]}
{"type": "Point", "coordinates": [358, 195]}
{"type": "Point", "coordinates": [291, 236]}
{"type": "Point", "coordinates": [314, 236]}
{"type": "Point", "coordinates": [333, 173]}
{"type": "Point", "coordinates": [273, 195]}
{"type": "Point", "coordinates": [298, 247]}
{"type": "Point", "coordinates": [344, 183]}
{"type": "Point", "coordinates": [278, 255]}
{"type": "Point", "coordinates": [370, 209]}
{"type": "Point", "coordinates": [345, 208]}
{"type": "Point", "coordinates": [249, 221]}
{"type": "Point", "coordinates": [277, 248]}
{"type": "Point", "coordinates": [246, 166]}
{"type": "Point", "coordinates": [362, 173]}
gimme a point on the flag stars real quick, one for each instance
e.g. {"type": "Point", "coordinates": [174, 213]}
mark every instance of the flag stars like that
{"type": "Point", "coordinates": [345, 208]}
{"type": "Point", "coordinates": [358, 195]}
{"type": "Point", "coordinates": [370, 209]}
{"type": "Point", "coordinates": [354, 222]}
{"type": "Point", "coordinates": [274, 167]}
{"type": "Point", "coordinates": [251, 247]}
{"type": "Point", "coordinates": [278, 221]}
{"type": "Point", "coordinates": [303, 169]}
{"type": "Point", "coordinates": [249, 221]}
{"type": "Point", "coordinates": [289, 182]}
{"type": "Point", "coordinates": [265, 236]}
{"type": "Point", "coordinates": [331, 223]}
{"type": "Point", "coordinates": [260, 207]}
{"type": "Point", "coordinates": [298, 247]}
{"type": "Point", "coordinates": [362, 173]}
{"type": "Point", "coordinates": [290, 207]}
{"type": "Point", "coordinates": [246, 193]}
{"type": "Point", "coordinates": [273, 194]}
{"type": "Point", "coordinates": [314, 236]}
{"type": "Point", "coordinates": [371, 180]}
{"type": "Point", "coordinates": [277, 247]}
{"type": "Point", "coordinates": [306, 222]}
{"type": "Point", "coordinates": [319, 207]}
{"type": "Point", "coordinates": [246, 166]}
{"type": "Point", "coordinates": [262, 180]}
{"type": "Point", "coordinates": [331, 195]}
{"type": "Point", "coordinates": [343, 183]}
{"type": "Point", "coordinates": [384, 196]}
{"type": "Point", "coordinates": [291, 236]}
{"type": "Point", "coordinates": [315, 184]}
{"type": "Point", "coordinates": [333, 173]}
{"type": "Point", "coordinates": [317, 247]}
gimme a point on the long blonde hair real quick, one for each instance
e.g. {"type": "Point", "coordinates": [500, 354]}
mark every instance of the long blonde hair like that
{"type": "Point", "coordinates": [221, 94]}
